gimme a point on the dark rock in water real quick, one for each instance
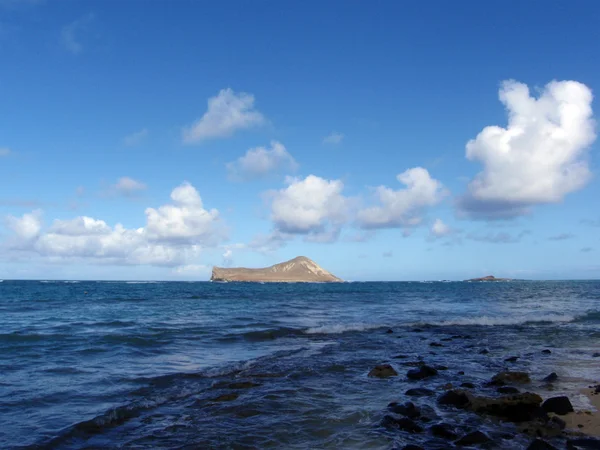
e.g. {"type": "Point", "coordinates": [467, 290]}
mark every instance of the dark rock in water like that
{"type": "Point", "coordinates": [443, 430]}
{"type": "Point", "coordinates": [400, 356]}
{"type": "Point", "coordinates": [546, 352]}
{"type": "Point", "coordinates": [383, 371]}
{"type": "Point", "coordinates": [454, 398]}
{"type": "Point", "coordinates": [510, 377]}
{"type": "Point", "coordinates": [440, 367]}
{"type": "Point", "coordinates": [596, 355]}
{"type": "Point", "coordinates": [242, 385]}
{"type": "Point", "coordinates": [428, 414]}
{"type": "Point", "coordinates": [407, 409]}
{"type": "Point", "coordinates": [436, 344]}
{"type": "Point", "coordinates": [417, 330]}
{"type": "Point", "coordinates": [226, 397]}
{"type": "Point", "coordinates": [460, 373]}
{"type": "Point", "coordinates": [551, 378]}
{"type": "Point", "coordinates": [422, 372]}
{"type": "Point", "coordinates": [446, 339]}
{"type": "Point", "coordinates": [412, 447]}
{"type": "Point", "coordinates": [403, 423]}
{"type": "Point", "coordinates": [558, 405]}
{"type": "Point", "coordinates": [485, 351]}
{"type": "Point", "coordinates": [419, 392]}
{"type": "Point", "coordinates": [513, 408]}
{"type": "Point", "coordinates": [389, 331]}
{"type": "Point", "coordinates": [511, 359]}
{"type": "Point", "coordinates": [468, 385]}
{"type": "Point", "coordinates": [583, 444]}
{"type": "Point", "coordinates": [507, 390]}
{"type": "Point", "coordinates": [474, 438]}
{"type": "Point", "coordinates": [538, 444]}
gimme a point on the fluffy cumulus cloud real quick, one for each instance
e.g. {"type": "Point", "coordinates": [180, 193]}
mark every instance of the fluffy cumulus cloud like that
{"type": "Point", "coordinates": [312, 206]}
{"type": "Point", "coordinates": [439, 229]}
{"type": "Point", "coordinates": [540, 156]}
{"type": "Point", "coordinates": [128, 187]}
{"type": "Point", "coordinates": [227, 113]}
{"type": "Point", "coordinates": [261, 162]}
{"type": "Point", "coordinates": [333, 138]}
{"type": "Point", "coordinates": [403, 208]}
{"type": "Point", "coordinates": [173, 235]}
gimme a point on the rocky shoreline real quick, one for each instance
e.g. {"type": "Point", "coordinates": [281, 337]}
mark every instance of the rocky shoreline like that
{"type": "Point", "coordinates": [507, 401]}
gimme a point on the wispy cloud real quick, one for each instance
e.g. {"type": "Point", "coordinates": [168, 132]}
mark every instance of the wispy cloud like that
{"type": "Point", "coordinates": [561, 237]}
{"type": "Point", "coordinates": [334, 138]}
{"type": "Point", "coordinates": [586, 249]}
{"type": "Point", "coordinates": [498, 238]}
{"type": "Point", "coordinates": [136, 138]}
{"type": "Point", "coordinates": [126, 187]}
{"type": "Point", "coordinates": [71, 33]}
{"type": "Point", "coordinates": [388, 254]}
{"type": "Point", "coordinates": [4, 151]}
{"type": "Point", "coordinates": [591, 223]}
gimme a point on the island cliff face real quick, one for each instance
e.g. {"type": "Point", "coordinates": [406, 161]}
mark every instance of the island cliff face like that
{"type": "Point", "coordinates": [300, 269]}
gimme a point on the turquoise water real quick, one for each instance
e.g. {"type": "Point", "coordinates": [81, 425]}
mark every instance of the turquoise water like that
{"type": "Point", "coordinates": [146, 365]}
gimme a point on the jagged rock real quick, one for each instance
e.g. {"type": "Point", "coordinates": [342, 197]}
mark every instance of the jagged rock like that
{"type": "Point", "coordinates": [558, 405]}
{"type": "Point", "coordinates": [422, 372]}
{"type": "Point", "coordinates": [551, 378]}
{"type": "Point", "coordinates": [383, 371]}
{"type": "Point", "coordinates": [510, 377]}
{"type": "Point", "coordinates": [403, 423]}
{"type": "Point", "coordinates": [419, 392]}
{"type": "Point", "coordinates": [538, 444]}
{"type": "Point", "coordinates": [443, 430]}
{"type": "Point", "coordinates": [507, 390]}
{"type": "Point", "coordinates": [583, 444]}
{"type": "Point", "coordinates": [407, 409]}
{"type": "Point", "coordinates": [458, 399]}
{"type": "Point", "coordinates": [474, 438]}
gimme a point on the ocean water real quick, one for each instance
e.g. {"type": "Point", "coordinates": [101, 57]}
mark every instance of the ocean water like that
{"type": "Point", "coordinates": [240, 366]}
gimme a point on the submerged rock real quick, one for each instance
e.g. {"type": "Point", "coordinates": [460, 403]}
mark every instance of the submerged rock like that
{"type": "Point", "coordinates": [407, 409]}
{"type": "Point", "coordinates": [546, 352]}
{"type": "Point", "coordinates": [443, 430]}
{"type": "Point", "coordinates": [422, 372]}
{"type": "Point", "coordinates": [458, 399]}
{"type": "Point", "coordinates": [510, 377]}
{"type": "Point", "coordinates": [383, 371]}
{"type": "Point", "coordinates": [507, 390]}
{"type": "Point", "coordinates": [226, 397]}
{"type": "Point", "coordinates": [511, 359]}
{"type": "Point", "coordinates": [551, 378]}
{"type": "Point", "coordinates": [558, 405]}
{"type": "Point", "coordinates": [419, 392]}
{"type": "Point", "coordinates": [403, 423]}
{"type": "Point", "coordinates": [473, 438]}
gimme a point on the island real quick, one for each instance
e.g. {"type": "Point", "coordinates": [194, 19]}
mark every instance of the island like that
{"type": "Point", "coordinates": [489, 278]}
{"type": "Point", "coordinates": [298, 270]}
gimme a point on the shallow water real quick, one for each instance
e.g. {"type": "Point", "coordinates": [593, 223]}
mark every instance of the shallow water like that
{"type": "Point", "coordinates": [151, 365]}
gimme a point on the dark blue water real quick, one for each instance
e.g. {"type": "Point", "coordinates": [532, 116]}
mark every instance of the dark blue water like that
{"type": "Point", "coordinates": [207, 365]}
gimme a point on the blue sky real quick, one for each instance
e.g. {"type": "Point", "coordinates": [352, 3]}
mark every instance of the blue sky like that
{"type": "Point", "coordinates": [385, 140]}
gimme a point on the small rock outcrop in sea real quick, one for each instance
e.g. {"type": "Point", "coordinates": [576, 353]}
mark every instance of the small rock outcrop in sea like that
{"type": "Point", "coordinates": [508, 377]}
{"type": "Point", "coordinates": [299, 269]}
{"type": "Point", "coordinates": [422, 372]}
{"type": "Point", "coordinates": [558, 405]}
{"type": "Point", "coordinates": [489, 278]}
{"type": "Point", "coordinates": [383, 371]}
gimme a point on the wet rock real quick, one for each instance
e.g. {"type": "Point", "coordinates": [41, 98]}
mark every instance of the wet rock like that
{"type": "Point", "coordinates": [558, 405]}
{"type": "Point", "coordinates": [468, 385]}
{"type": "Point", "coordinates": [390, 331]}
{"type": "Point", "coordinates": [383, 371]}
{"type": "Point", "coordinates": [436, 344]}
{"type": "Point", "coordinates": [443, 430]}
{"type": "Point", "coordinates": [596, 355]}
{"type": "Point", "coordinates": [446, 339]}
{"type": "Point", "coordinates": [422, 372]}
{"type": "Point", "coordinates": [446, 387]}
{"type": "Point", "coordinates": [546, 352]}
{"type": "Point", "coordinates": [551, 378]}
{"type": "Point", "coordinates": [485, 351]}
{"type": "Point", "coordinates": [417, 330]}
{"type": "Point", "coordinates": [440, 367]}
{"type": "Point", "coordinates": [400, 356]}
{"type": "Point", "coordinates": [460, 373]}
{"type": "Point", "coordinates": [583, 444]}
{"type": "Point", "coordinates": [458, 399]}
{"type": "Point", "coordinates": [403, 423]}
{"type": "Point", "coordinates": [407, 409]}
{"type": "Point", "coordinates": [474, 438]}
{"type": "Point", "coordinates": [508, 377]}
{"type": "Point", "coordinates": [507, 390]}
{"type": "Point", "coordinates": [226, 397]}
{"type": "Point", "coordinates": [511, 359]}
{"type": "Point", "coordinates": [538, 444]}
{"type": "Point", "coordinates": [513, 408]}
{"type": "Point", "coordinates": [419, 392]}
{"type": "Point", "coordinates": [428, 414]}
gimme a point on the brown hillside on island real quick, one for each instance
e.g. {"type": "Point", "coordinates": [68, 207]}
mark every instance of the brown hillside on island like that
{"type": "Point", "coordinates": [300, 269]}
{"type": "Point", "coordinates": [489, 278]}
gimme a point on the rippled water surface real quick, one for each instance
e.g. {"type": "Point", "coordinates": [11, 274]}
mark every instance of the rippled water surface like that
{"type": "Point", "coordinates": [236, 365]}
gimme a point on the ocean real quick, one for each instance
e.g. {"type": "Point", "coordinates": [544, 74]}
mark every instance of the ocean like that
{"type": "Point", "coordinates": [240, 366]}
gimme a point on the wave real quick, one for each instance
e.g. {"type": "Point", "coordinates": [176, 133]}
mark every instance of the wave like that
{"type": "Point", "coordinates": [141, 282]}
{"type": "Point", "coordinates": [495, 321]}
{"type": "Point", "coordinates": [344, 328]}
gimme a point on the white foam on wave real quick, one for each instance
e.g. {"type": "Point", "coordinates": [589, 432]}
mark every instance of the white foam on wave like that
{"type": "Point", "coordinates": [493, 321]}
{"type": "Point", "coordinates": [343, 328]}
{"type": "Point", "coordinates": [141, 282]}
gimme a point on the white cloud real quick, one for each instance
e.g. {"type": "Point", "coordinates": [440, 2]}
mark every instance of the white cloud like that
{"type": "Point", "coordinates": [227, 113]}
{"type": "Point", "coordinates": [172, 236]}
{"type": "Point", "coordinates": [312, 206]}
{"type": "Point", "coordinates": [70, 34]}
{"type": "Point", "coordinates": [195, 270]}
{"type": "Point", "coordinates": [439, 229]}
{"type": "Point", "coordinates": [4, 151]}
{"type": "Point", "coordinates": [136, 138]}
{"type": "Point", "coordinates": [260, 162]}
{"type": "Point", "coordinates": [333, 138]}
{"type": "Point", "coordinates": [540, 157]}
{"type": "Point", "coordinates": [403, 208]}
{"type": "Point", "coordinates": [128, 187]}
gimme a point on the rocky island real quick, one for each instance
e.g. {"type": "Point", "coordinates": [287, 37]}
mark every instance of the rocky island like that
{"type": "Point", "coordinates": [298, 270]}
{"type": "Point", "coordinates": [489, 278]}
